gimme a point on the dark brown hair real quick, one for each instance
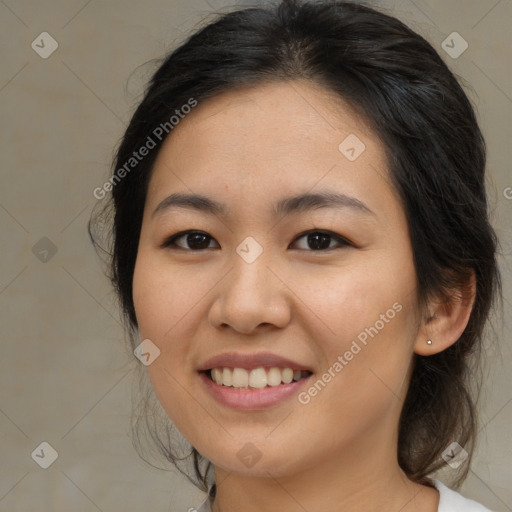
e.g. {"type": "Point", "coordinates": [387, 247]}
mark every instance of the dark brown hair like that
{"type": "Point", "coordinates": [436, 157]}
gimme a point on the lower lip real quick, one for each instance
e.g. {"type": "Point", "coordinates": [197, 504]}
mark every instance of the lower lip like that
{"type": "Point", "coordinates": [249, 398]}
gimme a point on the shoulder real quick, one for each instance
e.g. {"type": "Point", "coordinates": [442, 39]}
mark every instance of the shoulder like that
{"type": "Point", "coordinates": [451, 501]}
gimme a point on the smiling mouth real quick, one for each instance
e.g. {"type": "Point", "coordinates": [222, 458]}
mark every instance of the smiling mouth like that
{"type": "Point", "coordinates": [256, 378]}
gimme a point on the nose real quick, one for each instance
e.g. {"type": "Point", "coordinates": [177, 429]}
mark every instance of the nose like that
{"type": "Point", "coordinates": [250, 298]}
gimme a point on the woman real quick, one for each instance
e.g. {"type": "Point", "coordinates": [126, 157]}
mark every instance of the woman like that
{"type": "Point", "coordinates": [301, 245]}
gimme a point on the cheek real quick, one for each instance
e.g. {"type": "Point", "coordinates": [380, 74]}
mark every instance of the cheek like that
{"type": "Point", "coordinates": [369, 318]}
{"type": "Point", "coordinates": [163, 296]}
{"type": "Point", "coordinates": [171, 305]}
{"type": "Point", "coordinates": [350, 298]}
{"type": "Point", "coordinates": [164, 303]}
{"type": "Point", "coordinates": [166, 306]}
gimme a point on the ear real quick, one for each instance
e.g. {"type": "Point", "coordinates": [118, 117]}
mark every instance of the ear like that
{"type": "Point", "coordinates": [447, 319]}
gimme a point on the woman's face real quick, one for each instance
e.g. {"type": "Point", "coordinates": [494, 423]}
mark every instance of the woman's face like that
{"type": "Point", "coordinates": [303, 263]}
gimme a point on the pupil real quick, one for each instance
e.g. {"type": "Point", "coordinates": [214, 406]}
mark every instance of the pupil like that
{"type": "Point", "coordinates": [319, 241]}
{"type": "Point", "coordinates": [197, 241]}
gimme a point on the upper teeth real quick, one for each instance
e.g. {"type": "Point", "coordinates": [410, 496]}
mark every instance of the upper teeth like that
{"type": "Point", "coordinates": [256, 378]}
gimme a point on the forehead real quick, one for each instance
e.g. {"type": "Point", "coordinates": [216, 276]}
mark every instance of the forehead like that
{"type": "Point", "coordinates": [276, 136]}
{"type": "Point", "coordinates": [282, 116]}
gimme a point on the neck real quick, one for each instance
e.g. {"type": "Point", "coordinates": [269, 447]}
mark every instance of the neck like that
{"type": "Point", "coordinates": [345, 481]}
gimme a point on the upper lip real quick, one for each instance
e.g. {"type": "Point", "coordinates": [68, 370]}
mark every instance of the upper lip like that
{"type": "Point", "coordinates": [250, 361]}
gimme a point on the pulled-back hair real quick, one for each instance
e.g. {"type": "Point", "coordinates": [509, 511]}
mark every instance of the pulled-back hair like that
{"type": "Point", "coordinates": [436, 157]}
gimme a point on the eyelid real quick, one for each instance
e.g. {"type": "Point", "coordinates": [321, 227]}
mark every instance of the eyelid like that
{"type": "Point", "coordinates": [343, 242]}
{"type": "Point", "coordinates": [168, 243]}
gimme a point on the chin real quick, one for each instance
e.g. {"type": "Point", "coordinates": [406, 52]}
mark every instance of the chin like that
{"type": "Point", "coordinates": [258, 458]}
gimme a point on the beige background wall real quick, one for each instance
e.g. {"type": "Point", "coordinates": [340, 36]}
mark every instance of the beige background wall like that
{"type": "Point", "coordinates": [65, 375]}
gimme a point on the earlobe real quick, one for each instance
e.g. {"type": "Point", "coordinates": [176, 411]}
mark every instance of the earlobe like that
{"type": "Point", "coordinates": [447, 320]}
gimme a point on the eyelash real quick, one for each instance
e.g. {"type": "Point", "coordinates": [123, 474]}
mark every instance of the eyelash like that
{"type": "Point", "coordinates": [169, 243]}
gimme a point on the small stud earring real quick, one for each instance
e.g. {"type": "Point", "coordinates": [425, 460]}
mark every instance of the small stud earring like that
{"type": "Point", "coordinates": [429, 342]}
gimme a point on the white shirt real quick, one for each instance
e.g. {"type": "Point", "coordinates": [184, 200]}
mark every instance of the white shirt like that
{"type": "Point", "coordinates": [449, 501]}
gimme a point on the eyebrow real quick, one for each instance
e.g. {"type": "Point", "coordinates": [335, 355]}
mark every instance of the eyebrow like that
{"type": "Point", "coordinates": [286, 206]}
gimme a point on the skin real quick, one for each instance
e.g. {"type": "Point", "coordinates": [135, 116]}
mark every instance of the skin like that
{"type": "Point", "coordinates": [248, 149]}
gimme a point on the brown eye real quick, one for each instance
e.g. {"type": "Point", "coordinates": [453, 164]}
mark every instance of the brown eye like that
{"type": "Point", "coordinates": [321, 241]}
{"type": "Point", "coordinates": [189, 240]}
